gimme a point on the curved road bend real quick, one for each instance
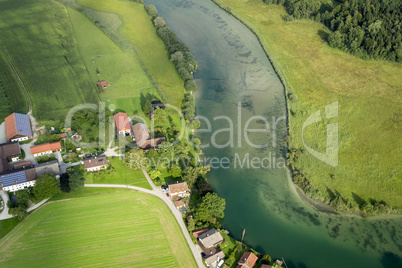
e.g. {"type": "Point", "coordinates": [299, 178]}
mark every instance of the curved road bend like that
{"type": "Point", "coordinates": [158, 193]}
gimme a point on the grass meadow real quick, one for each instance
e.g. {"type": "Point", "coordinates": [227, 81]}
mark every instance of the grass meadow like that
{"type": "Point", "coordinates": [12, 98]}
{"type": "Point", "coordinates": [136, 27]}
{"type": "Point", "coordinates": [119, 228]}
{"type": "Point", "coordinates": [106, 61]}
{"type": "Point", "coordinates": [38, 37]}
{"type": "Point", "coordinates": [119, 174]}
{"type": "Point", "coordinates": [369, 96]}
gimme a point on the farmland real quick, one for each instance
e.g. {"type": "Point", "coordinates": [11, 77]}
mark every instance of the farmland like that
{"type": "Point", "coordinates": [369, 96]}
{"type": "Point", "coordinates": [106, 61]}
{"type": "Point", "coordinates": [134, 25]}
{"type": "Point", "coordinates": [125, 228]}
{"type": "Point", "coordinates": [38, 37]}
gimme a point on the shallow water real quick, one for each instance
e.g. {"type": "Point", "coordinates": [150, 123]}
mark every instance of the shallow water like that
{"type": "Point", "coordinates": [233, 68]}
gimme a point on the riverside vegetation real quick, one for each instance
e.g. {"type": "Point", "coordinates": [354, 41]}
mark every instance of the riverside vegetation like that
{"type": "Point", "coordinates": [314, 75]}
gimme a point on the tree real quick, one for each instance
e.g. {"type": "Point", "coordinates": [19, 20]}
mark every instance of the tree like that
{"type": "Point", "coordinates": [155, 173]}
{"type": "Point", "coordinates": [190, 85]}
{"type": "Point", "coordinates": [147, 107]}
{"type": "Point", "coordinates": [135, 159]}
{"type": "Point", "coordinates": [175, 171]}
{"type": "Point", "coordinates": [159, 22]}
{"type": "Point", "coordinates": [195, 124]}
{"type": "Point", "coordinates": [45, 186]}
{"type": "Point", "coordinates": [76, 181]}
{"type": "Point", "coordinates": [211, 208]}
{"type": "Point", "coordinates": [191, 225]}
{"type": "Point", "coordinates": [152, 11]}
{"type": "Point", "coordinates": [153, 157]}
{"type": "Point", "coordinates": [205, 188]}
{"type": "Point", "coordinates": [160, 118]}
{"type": "Point", "coordinates": [177, 57]}
{"type": "Point", "coordinates": [266, 259]}
{"type": "Point", "coordinates": [23, 198]}
{"type": "Point", "coordinates": [19, 212]}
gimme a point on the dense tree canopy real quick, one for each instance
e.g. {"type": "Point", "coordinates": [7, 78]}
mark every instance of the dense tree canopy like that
{"type": "Point", "coordinates": [211, 209]}
{"type": "Point", "coordinates": [76, 181]}
{"type": "Point", "coordinates": [45, 186]}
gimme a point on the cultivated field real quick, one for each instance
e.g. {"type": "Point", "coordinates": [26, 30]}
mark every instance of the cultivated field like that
{"type": "Point", "coordinates": [369, 95]}
{"type": "Point", "coordinates": [106, 61]}
{"type": "Point", "coordinates": [38, 37]}
{"type": "Point", "coordinates": [120, 174]}
{"type": "Point", "coordinates": [135, 26]}
{"type": "Point", "coordinates": [12, 98]}
{"type": "Point", "coordinates": [122, 228]}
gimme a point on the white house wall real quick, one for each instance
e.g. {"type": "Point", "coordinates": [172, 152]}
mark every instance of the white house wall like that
{"type": "Point", "coordinates": [17, 187]}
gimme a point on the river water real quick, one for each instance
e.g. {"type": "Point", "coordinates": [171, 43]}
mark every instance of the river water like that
{"type": "Point", "coordinates": [260, 198]}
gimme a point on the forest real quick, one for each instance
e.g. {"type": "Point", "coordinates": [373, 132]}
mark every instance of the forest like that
{"type": "Point", "coordinates": [367, 29]}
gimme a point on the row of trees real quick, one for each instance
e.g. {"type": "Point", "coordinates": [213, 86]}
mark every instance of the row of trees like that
{"type": "Point", "coordinates": [180, 54]}
{"type": "Point", "coordinates": [367, 29]}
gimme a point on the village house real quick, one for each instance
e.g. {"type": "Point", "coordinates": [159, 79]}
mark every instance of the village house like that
{"type": "Point", "coordinates": [247, 260]}
{"type": "Point", "coordinates": [217, 256]}
{"type": "Point", "coordinates": [210, 238]}
{"type": "Point", "coordinates": [196, 233]}
{"type": "Point", "coordinates": [143, 138]}
{"type": "Point", "coordinates": [45, 149]}
{"type": "Point", "coordinates": [179, 189]}
{"type": "Point", "coordinates": [18, 127]}
{"type": "Point", "coordinates": [17, 180]}
{"type": "Point", "coordinates": [122, 123]}
{"type": "Point", "coordinates": [95, 164]}
{"type": "Point", "coordinates": [51, 167]}
{"type": "Point", "coordinates": [8, 153]}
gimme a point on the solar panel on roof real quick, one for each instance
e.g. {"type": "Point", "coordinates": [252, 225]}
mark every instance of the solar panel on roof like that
{"type": "Point", "coordinates": [13, 178]}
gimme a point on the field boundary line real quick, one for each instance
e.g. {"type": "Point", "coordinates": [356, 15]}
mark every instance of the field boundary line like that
{"type": "Point", "coordinates": [28, 98]}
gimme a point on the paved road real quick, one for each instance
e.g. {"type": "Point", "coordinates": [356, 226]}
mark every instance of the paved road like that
{"type": "Point", "coordinates": [158, 192]}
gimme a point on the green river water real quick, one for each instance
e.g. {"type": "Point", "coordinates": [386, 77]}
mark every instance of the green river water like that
{"type": "Point", "coordinates": [233, 68]}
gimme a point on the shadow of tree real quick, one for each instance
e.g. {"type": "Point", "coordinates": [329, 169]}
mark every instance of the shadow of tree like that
{"type": "Point", "coordinates": [391, 260]}
{"type": "Point", "coordinates": [323, 34]}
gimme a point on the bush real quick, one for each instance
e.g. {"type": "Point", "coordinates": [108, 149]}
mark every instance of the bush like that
{"type": "Point", "coordinates": [159, 22]}
{"type": "Point", "coordinates": [45, 158]}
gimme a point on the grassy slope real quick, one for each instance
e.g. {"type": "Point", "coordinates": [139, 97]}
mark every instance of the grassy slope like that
{"type": "Point", "coordinates": [39, 39]}
{"type": "Point", "coordinates": [369, 95]}
{"type": "Point", "coordinates": [120, 69]}
{"type": "Point", "coordinates": [121, 175]}
{"type": "Point", "coordinates": [84, 232]}
{"type": "Point", "coordinates": [12, 98]}
{"type": "Point", "coordinates": [138, 29]}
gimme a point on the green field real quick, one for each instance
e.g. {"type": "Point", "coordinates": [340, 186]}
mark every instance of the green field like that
{"type": "Point", "coordinates": [120, 174]}
{"type": "Point", "coordinates": [369, 95]}
{"type": "Point", "coordinates": [106, 61]}
{"type": "Point", "coordinates": [12, 98]}
{"type": "Point", "coordinates": [135, 26]}
{"type": "Point", "coordinates": [125, 228]}
{"type": "Point", "coordinates": [38, 37]}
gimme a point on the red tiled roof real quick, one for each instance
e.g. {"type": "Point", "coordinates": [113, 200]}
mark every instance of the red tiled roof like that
{"type": "Point", "coordinates": [196, 233]}
{"type": "Point", "coordinates": [122, 122]}
{"type": "Point", "coordinates": [22, 164]}
{"type": "Point", "coordinates": [55, 146]}
{"type": "Point", "coordinates": [102, 83]}
{"type": "Point", "coordinates": [248, 260]}
{"type": "Point", "coordinates": [178, 187]}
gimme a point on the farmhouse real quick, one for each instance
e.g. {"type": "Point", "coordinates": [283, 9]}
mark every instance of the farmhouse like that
{"type": "Point", "coordinates": [95, 164]}
{"type": "Point", "coordinates": [211, 238]}
{"type": "Point", "coordinates": [44, 149]}
{"type": "Point", "coordinates": [179, 189]}
{"type": "Point", "coordinates": [102, 84]}
{"type": "Point", "coordinates": [247, 260]}
{"type": "Point", "coordinates": [8, 153]}
{"type": "Point", "coordinates": [122, 123]}
{"type": "Point", "coordinates": [18, 127]}
{"type": "Point", "coordinates": [13, 181]}
{"type": "Point", "coordinates": [143, 139]}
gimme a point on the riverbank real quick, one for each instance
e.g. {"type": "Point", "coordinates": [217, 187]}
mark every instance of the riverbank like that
{"type": "Point", "coordinates": [299, 55]}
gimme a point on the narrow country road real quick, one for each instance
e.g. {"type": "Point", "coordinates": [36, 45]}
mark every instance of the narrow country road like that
{"type": "Point", "coordinates": [158, 193]}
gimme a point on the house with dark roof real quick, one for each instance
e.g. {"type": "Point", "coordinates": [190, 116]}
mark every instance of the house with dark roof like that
{"type": "Point", "coordinates": [8, 153]}
{"type": "Point", "coordinates": [44, 149]}
{"type": "Point", "coordinates": [122, 123]}
{"type": "Point", "coordinates": [178, 189]}
{"type": "Point", "coordinates": [143, 139]}
{"type": "Point", "coordinates": [51, 167]}
{"type": "Point", "coordinates": [95, 164]}
{"type": "Point", "coordinates": [17, 180]}
{"type": "Point", "coordinates": [210, 238]}
{"type": "Point", "coordinates": [23, 165]}
{"type": "Point", "coordinates": [247, 260]}
{"type": "Point", "coordinates": [18, 127]}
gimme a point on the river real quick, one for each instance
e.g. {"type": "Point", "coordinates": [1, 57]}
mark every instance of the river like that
{"type": "Point", "coordinates": [234, 69]}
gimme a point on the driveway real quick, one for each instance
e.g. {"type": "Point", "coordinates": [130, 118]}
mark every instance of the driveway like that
{"type": "Point", "coordinates": [4, 214]}
{"type": "Point", "coordinates": [28, 155]}
{"type": "Point", "coordinates": [3, 136]}
{"type": "Point", "coordinates": [159, 193]}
